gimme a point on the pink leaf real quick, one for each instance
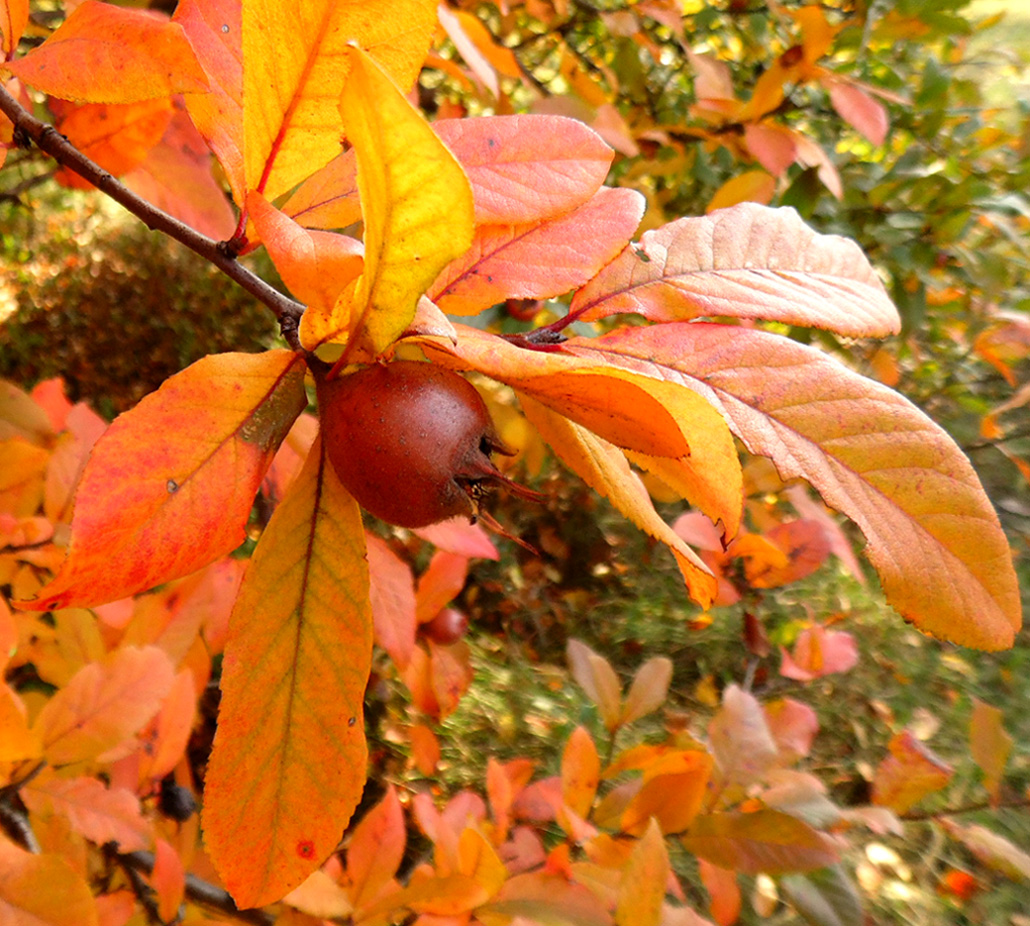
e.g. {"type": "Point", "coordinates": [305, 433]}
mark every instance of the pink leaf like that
{"type": "Point", "coordinates": [860, 110]}
{"type": "Point", "coordinates": [820, 652]}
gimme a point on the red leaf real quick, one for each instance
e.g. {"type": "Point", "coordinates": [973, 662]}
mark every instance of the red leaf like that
{"type": "Point", "coordinates": [859, 110]}
{"type": "Point", "coordinates": [392, 595]}
{"type": "Point", "coordinates": [746, 262]}
{"type": "Point", "coordinates": [457, 535]}
{"type": "Point", "coordinates": [170, 485]}
{"type": "Point", "coordinates": [168, 879]}
{"type": "Point", "coordinates": [439, 584]}
{"type": "Point", "coordinates": [537, 261]}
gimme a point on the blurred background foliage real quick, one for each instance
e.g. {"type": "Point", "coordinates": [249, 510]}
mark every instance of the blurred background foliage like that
{"type": "Point", "coordinates": [904, 124]}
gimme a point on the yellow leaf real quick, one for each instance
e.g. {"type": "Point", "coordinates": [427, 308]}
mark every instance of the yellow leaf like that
{"type": "Point", "coordinates": [416, 201]}
{"type": "Point", "coordinates": [753, 186]}
{"type": "Point", "coordinates": [291, 123]}
{"type": "Point", "coordinates": [42, 890]}
{"type": "Point", "coordinates": [288, 763]}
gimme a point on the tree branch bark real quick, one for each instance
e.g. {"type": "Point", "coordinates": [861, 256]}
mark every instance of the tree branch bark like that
{"type": "Point", "coordinates": [50, 141]}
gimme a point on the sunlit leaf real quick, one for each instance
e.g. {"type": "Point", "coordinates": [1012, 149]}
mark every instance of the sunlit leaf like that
{"type": "Point", "coordinates": [933, 536]}
{"type": "Point", "coordinates": [14, 17]}
{"type": "Point", "coordinates": [537, 261]}
{"type": "Point", "coordinates": [746, 262]}
{"type": "Point", "coordinates": [42, 890]}
{"type": "Point", "coordinates": [288, 763]}
{"type": "Point", "coordinates": [416, 201]}
{"type": "Point", "coordinates": [764, 841]}
{"type": "Point", "coordinates": [104, 53]}
{"type": "Point", "coordinates": [292, 125]}
{"type": "Point", "coordinates": [605, 469]}
{"type": "Point", "coordinates": [103, 704]}
{"type": "Point", "coordinates": [329, 197]}
{"type": "Point", "coordinates": [170, 485]}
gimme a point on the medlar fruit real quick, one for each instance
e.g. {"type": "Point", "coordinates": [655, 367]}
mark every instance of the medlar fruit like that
{"type": "Point", "coordinates": [411, 442]}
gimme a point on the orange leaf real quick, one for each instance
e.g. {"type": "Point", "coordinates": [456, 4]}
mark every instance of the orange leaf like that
{"type": "Point", "coordinates": [806, 546]}
{"type": "Point", "coordinates": [580, 771]}
{"type": "Point", "coordinates": [42, 890]}
{"type": "Point", "coordinates": [989, 744]}
{"type": "Point", "coordinates": [315, 265]}
{"type": "Point", "coordinates": [171, 729]}
{"type": "Point", "coordinates": [214, 29]}
{"type": "Point", "coordinates": [642, 889]}
{"type": "Point", "coordinates": [17, 741]}
{"type": "Point", "coordinates": [908, 774]}
{"type": "Point", "coordinates": [540, 260]}
{"type": "Point", "coordinates": [103, 704]}
{"type": "Point", "coordinates": [168, 878]}
{"type": "Point", "coordinates": [425, 749]}
{"type": "Point", "coordinates": [292, 125]}
{"type": "Point", "coordinates": [107, 54]}
{"type": "Point", "coordinates": [764, 841]}
{"type": "Point", "coordinates": [793, 726]}
{"type": "Point", "coordinates": [94, 810]}
{"type": "Point", "coordinates": [672, 793]}
{"type": "Point", "coordinates": [439, 584]}
{"type": "Point", "coordinates": [318, 896]}
{"type": "Point", "coordinates": [772, 145]}
{"type": "Point", "coordinates": [118, 136]}
{"type": "Point", "coordinates": [595, 675]}
{"type": "Point", "coordinates": [14, 17]}
{"type": "Point", "coordinates": [723, 892]}
{"type": "Point", "coordinates": [288, 763]}
{"type": "Point", "coordinates": [746, 262]}
{"type": "Point", "coordinates": [457, 535]}
{"type": "Point", "coordinates": [392, 595]}
{"type": "Point", "coordinates": [458, 26]}
{"type": "Point", "coordinates": [754, 186]}
{"type": "Point", "coordinates": [820, 652]}
{"type": "Point", "coordinates": [605, 469]}
{"type": "Point", "coordinates": [375, 849]}
{"type": "Point", "coordinates": [329, 197]}
{"type": "Point", "coordinates": [169, 487]}
{"type": "Point", "coordinates": [933, 536]}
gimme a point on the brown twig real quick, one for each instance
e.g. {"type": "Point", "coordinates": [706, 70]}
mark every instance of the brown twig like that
{"type": "Point", "coordinates": [49, 140]}
{"type": "Point", "coordinates": [200, 891]}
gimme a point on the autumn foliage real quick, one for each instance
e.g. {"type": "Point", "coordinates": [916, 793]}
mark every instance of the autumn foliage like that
{"type": "Point", "coordinates": [122, 543]}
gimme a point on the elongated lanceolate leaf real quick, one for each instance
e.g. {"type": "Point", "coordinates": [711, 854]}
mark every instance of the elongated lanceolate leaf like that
{"type": "Point", "coordinates": [105, 54]}
{"type": "Point", "coordinates": [933, 536]}
{"type": "Point", "coordinates": [415, 201]}
{"type": "Point", "coordinates": [538, 260]}
{"type": "Point", "coordinates": [295, 67]}
{"type": "Point", "coordinates": [749, 261]}
{"type": "Point", "coordinates": [169, 486]}
{"type": "Point", "coordinates": [288, 763]}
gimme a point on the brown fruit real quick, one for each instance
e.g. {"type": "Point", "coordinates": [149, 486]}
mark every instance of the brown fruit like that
{"type": "Point", "coordinates": [411, 442]}
{"type": "Point", "coordinates": [448, 627]}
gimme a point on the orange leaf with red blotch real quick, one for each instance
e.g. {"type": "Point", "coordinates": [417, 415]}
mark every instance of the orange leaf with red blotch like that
{"type": "Point", "coordinates": [103, 704]}
{"type": "Point", "coordinates": [764, 841]}
{"type": "Point", "coordinates": [176, 176]}
{"type": "Point", "coordinates": [539, 260]}
{"type": "Point", "coordinates": [118, 136]}
{"type": "Point", "coordinates": [42, 890]}
{"type": "Point", "coordinates": [375, 849]}
{"type": "Point", "coordinates": [214, 29]}
{"type": "Point", "coordinates": [14, 17]}
{"type": "Point", "coordinates": [933, 536]}
{"type": "Point", "coordinates": [288, 763]}
{"type": "Point", "coordinates": [443, 579]}
{"type": "Point", "coordinates": [291, 123]}
{"type": "Point", "coordinates": [819, 652]}
{"type": "Point", "coordinates": [580, 772]}
{"type": "Point", "coordinates": [605, 469]}
{"type": "Point", "coordinates": [315, 265]}
{"type": "Point", "coordinates": [169, 487]}
{"type": "Point", "coordinates": [98, 812]}
{"type": "Point", "coordinates": [106, 54]}
{"type": "Point", "coordinates": [642, 888]}
{"type": "Point", "coordinates": [908, 774]}
{"type": "Point", "coordinates": [392, 594]}
{"type": "Point", "coordinates": [746, 262]}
